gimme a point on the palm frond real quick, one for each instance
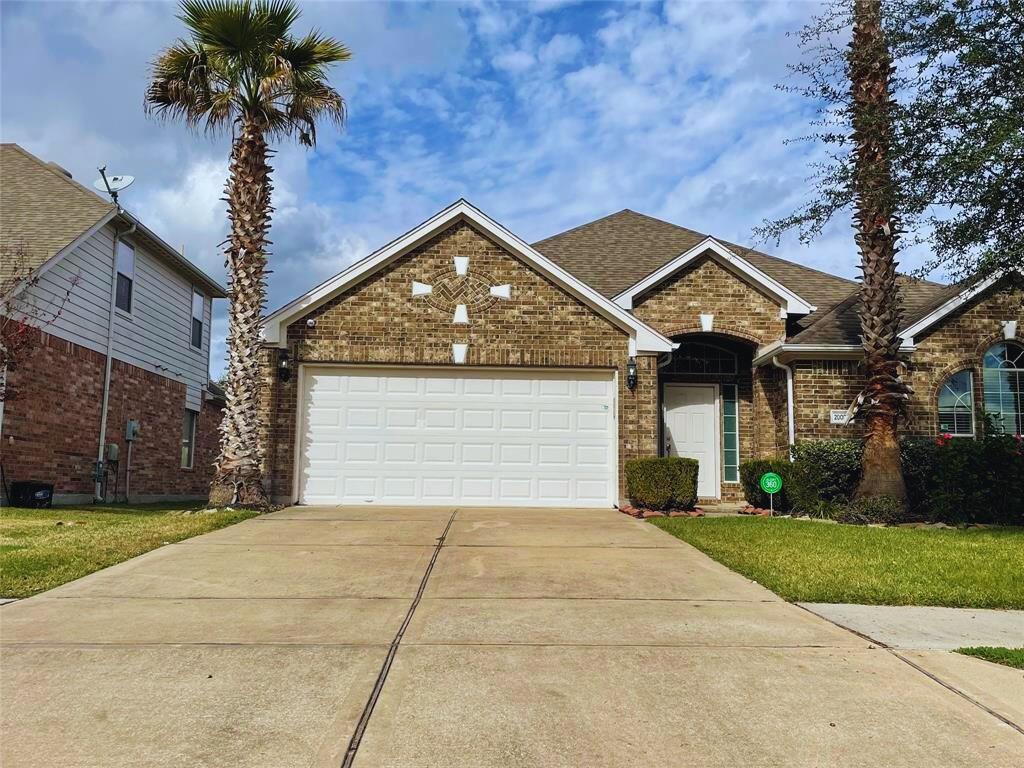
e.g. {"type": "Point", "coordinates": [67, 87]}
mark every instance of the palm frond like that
{"type": "Point", "coordinates": [313, 52]}
{"type": "Point", "coordinates": [243, 63]}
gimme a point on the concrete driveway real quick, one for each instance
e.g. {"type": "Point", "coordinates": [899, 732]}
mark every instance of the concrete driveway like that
{"type": "Point", "coordinates": [341, 636]}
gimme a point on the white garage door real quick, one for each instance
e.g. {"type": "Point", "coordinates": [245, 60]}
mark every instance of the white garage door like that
{"type": "Point", "coordinates": [451, 436]}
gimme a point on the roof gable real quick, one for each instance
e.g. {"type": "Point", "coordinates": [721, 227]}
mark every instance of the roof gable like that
{"type": "Point", "coordinates": [643, 338]}
{"type": "Point", "coordinates": [618, 251]}
{"type": "Point", "coordinates": [711, 248]}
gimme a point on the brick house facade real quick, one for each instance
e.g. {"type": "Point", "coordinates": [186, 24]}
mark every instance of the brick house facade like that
{"type": "Point", "coordinates": [714, 340]}
{"type": "Point", "coordinates": [52, 420]}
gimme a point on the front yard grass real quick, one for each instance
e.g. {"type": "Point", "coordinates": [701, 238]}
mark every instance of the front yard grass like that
{"type": "Point", "coordinates": [806, 561]}
{"type": "Point", "coordinates": [43, 548]}
{"type": "Point", "coordinates": [1011, 657]}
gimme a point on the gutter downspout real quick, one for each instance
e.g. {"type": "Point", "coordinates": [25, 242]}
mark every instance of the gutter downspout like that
{"type": "Point", "coordinates": [98, 489]}
{"type": "Point", "coordinates": [790, 417]}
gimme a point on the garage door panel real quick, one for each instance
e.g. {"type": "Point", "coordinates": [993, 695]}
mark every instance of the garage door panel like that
{"type": "Point", "coordinates": [398, 418]}
{"type": "Point", "coordinates": [400, 453]}
{"type": "Point", "coordinates": [400, 488]}
{"type": "Point", "coordinates": [457, 437]}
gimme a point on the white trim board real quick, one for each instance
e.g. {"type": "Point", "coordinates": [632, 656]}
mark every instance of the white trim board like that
{"type": "Point", "coordinates": [646, 338]}
{"type": "Point", "coordinates": [791, 302]}
{"type": "Point", "coordinates": [788, 352]}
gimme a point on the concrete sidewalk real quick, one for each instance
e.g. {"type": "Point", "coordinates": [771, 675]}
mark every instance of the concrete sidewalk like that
{"type": "Point", "coordinates": [543, 638]}
{"type": "Point", "coordinates": [919, 628]}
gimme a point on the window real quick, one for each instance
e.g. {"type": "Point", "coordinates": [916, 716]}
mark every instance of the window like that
{"type": "Point", "coordinates": [730, 435]}
{"type": "Point", "coordinates": [956, 405]}
{"type": "Point", "coordinates": [188, 438]}
{"type": "Point", "coordinates": [198, 305]}
{"type": "Point", "coordinates": [125, 276]}
{"type": "Point", "coordinates": [1004, 387]}
{"type": "Point", "coordinates": [700, 358]}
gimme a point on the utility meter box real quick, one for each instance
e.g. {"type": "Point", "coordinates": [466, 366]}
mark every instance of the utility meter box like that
{"type": "Point", "coordinates": [113, 451]}
{"type": "Point", "coordinates": [131, 431]}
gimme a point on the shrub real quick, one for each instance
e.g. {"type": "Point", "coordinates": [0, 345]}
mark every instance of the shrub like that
{"type": "Point", "coordinates": [920, 467]}
{"type": "Point", "coordinates": [750, 478]}
{"type": "Point", "coordinates": [975, 481]}
{"type": "Point", "coordinates": [882, 509]}
{"type": "Point", "coordinates": [667, 482]}
{"type": "Point", "coordinates": [824, 471]}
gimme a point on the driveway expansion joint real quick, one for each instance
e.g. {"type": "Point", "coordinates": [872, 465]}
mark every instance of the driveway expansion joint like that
{"type": "Point", "coordinates": [382, 676]}
{"type": "Point", "coordinates": [917, 667]}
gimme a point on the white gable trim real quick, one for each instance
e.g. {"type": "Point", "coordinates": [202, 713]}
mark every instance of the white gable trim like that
{"type": "Point", "coordinates": [791, 302]}
{"type": "Point", "coordinates": [646, 338]}
{"type": "Point", "coordinates": [908, 333]}
{"type": "Point", "coordinates": [47, 265]}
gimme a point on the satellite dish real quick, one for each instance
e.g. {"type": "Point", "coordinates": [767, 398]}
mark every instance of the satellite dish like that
{"type": "Point", "coordinates": [112, 184]}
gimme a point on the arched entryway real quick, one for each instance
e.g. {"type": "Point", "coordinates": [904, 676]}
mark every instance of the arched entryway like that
{"type": "Point", "coordinates": [706, 393]}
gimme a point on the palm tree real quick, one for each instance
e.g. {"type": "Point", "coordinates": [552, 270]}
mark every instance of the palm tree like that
{"type": "Point", "coordinates": [877, 232]}
{"type": "Point", "coordinates": [242, 69]}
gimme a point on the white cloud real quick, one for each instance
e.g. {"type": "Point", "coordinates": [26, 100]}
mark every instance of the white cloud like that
{"type": "Point", "coordinates": [546, 117]}
{"type": "Point", "coordinates": [514, 61]}
{"type": "Point", "coordinates": [560, 49]}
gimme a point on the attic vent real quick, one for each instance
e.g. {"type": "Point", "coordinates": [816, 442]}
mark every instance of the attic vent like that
{"type": "Point", "coordinates": [60, 168]}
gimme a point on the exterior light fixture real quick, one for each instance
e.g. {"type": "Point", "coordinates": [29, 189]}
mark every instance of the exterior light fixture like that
{"type": "Point", "coordinates": [284, 366]}
{"type": "Point", "coordinates": [631, 373]}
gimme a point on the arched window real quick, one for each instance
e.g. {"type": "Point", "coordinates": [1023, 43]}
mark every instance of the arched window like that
{"type": "Point", "coordinates": [956, 405]}
{"type": "Point", "coordinates": [702, 358]}
{"type": "Point", "coordinates": [1004, 387]}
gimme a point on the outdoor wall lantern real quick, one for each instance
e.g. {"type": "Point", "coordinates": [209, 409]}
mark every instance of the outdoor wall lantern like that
{"type": "Point", "coordinates": [631, 373]}
{"type": "Point", "coordinates": [284, 366]}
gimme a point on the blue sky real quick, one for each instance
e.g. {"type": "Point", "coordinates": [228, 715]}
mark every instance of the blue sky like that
{"type": "Point", "coordinates": [544, 114]}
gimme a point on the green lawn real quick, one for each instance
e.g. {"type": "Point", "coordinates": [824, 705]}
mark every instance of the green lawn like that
{"type": "Point", "coordinates": [806, 561]}
{"type": "Point", "coordinates": [41, 548]}
{"type": "Point", "coordinates": [1011, 657]}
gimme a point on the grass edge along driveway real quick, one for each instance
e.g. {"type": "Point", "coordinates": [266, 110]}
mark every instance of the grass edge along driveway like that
{"type": "Point", "coordinates": [1010, 657]}
{"type": "Point", "coordinates": [807, 561]}
{"type": "Point", "coordinates": [43, 548]}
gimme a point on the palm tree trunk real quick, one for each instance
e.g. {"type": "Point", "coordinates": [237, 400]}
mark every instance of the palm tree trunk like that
{"type": "Point", "coordinates": [239, 472]}
{"type": "Point", "coordinates": [876, 228]}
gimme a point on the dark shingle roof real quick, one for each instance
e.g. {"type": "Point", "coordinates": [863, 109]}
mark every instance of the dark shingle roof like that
{"type": "Point", "coordinates": [618, 251]}
{"type": "Point", "coordinates": [841, 325]}
{"type": "Point", "coordinates": [41, 209]}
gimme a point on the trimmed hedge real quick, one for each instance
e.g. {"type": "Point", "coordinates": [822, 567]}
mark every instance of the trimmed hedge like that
{"type": "Point", "coordinates": [825, 473]}
{"type": "Point", "coordinates": [952, 481]}
{"type": "Point", "coordinates": [750, 479]}
{"type": "Point", "coordinates": [960, 480]}
{"type": "Point", "coordinates": [667, 482]}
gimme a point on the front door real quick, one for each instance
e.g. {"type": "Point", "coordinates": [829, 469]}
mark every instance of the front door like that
{"type": "Point", "coordinates": [691, 430]}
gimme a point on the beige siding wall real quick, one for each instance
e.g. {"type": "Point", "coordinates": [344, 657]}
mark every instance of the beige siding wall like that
{"type": "Point", "coordinates": [155, 336]}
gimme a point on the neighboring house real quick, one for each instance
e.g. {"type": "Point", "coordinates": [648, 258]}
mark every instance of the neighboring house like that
{"type": "Point", "coordinates": [132, 300]}
{"type": "Point", "coordinates": [460, 365]}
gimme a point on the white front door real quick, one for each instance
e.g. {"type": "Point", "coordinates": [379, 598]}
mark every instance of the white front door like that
{"type": "Point", "coordinates": [691, 430]}
{"type": "Point", "coordinates": [499, 437]}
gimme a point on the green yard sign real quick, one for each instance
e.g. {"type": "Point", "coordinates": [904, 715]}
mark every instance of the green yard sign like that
{"type": "Point", "coordinates": [771, 482]}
